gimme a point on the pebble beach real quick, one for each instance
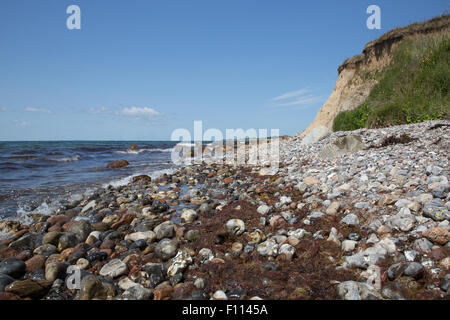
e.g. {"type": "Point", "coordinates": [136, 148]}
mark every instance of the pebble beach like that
{"type": "Point", "coordinates": [358, 215]}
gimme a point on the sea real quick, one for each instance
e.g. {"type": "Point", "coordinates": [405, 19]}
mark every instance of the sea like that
{"type": "Point", "coordinates": [37, 177]}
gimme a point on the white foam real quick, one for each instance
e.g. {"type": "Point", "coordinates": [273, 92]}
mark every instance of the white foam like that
{"type": "Point", "coordinates": [143, 150]}
{"type": "Point", "coordinates": [126, 180]}
{"type": "Point", "coordinates": [67, 159]}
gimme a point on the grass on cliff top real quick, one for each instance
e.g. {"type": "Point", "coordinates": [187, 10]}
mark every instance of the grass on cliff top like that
{"type": "Point", "coordinates": [413, 88]}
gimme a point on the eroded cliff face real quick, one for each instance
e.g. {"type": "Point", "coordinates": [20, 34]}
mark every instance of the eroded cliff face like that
{"type": "Point", "coordinates": [356, 75]}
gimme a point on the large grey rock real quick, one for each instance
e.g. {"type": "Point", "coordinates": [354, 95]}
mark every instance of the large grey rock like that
{"type": "Point", "coordinates": [315, 135]}
{"type": "Point", "coordinates": [341, 146]}
{"type": "Point", "coordinates": [352, 290]}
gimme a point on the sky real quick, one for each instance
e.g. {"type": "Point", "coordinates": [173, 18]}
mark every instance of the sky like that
{"type": "Point", "coordinates": [139, 69]}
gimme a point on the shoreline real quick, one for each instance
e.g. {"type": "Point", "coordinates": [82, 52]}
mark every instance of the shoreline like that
{"type": "Point", "coordinates": [317, 229]}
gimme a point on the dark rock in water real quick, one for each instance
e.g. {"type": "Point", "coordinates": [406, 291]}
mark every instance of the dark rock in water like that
{"type": "Point", "coordinates": [13, 267]}
{"type": "Point", "coordinates": [159, 206]}
{"type": "Point", "coordinates": [133, 147]}
{"type": "Point", "coordinates": [117, 164]}
{"type": "Point", "coordinates": [4, 281]}
{"type": "Point", "coordinates": [67, 240]}
{"type": "Point", "coordinates": [156, 274]}
{"type": "Point", "coordinates": [142, 178]}
{"type": "Point", "coordinates": [29, 288]}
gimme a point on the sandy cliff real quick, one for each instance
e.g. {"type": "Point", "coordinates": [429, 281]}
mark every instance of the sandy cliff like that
{"type": "Point", "coordinates": [355, 75]}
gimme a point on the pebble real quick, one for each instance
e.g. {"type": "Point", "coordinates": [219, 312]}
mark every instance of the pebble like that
{"type": "Point", "coordinates": [113, 269]}
{"type": "Point", "coordinates": [235, 226]}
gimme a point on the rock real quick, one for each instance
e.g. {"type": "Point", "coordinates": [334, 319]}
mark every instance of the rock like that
{"type": "Point", "coordinates": [263, 209]}
{"type": "Point", "coordinates": [235, 226]}
{"type": "Point", "coordinates": [422, 245]}
{"type": "Point", "coordinates": [352, 290]}
{"type": "Point", "coordinates": [435, 210]}
{"type": "Point", "coordinates": [165, 230]}
{"type": "Point", "coordinates": [92, 288]}
{"type": "Point", "coordinates": [334, 237]}
{"type": "Point", "coordinates": [349, 245]}
{"type": "Point", "coordinates": [392, 291]}
{"type": "Point", "coordinates": [315, 135]}
{"type": "Point", "coordinates": [29, 288]}
{"type": "Point", "coordinates": [268, 248]}
{"type": "Point", "coordinates": [159, 206]}
{"type": "Point", "coordinates": [268, 171]}
{"type": "Point", "coordinates": [67, 240]}
{"type": "Point", "coordinates": [137, 292]}
{"type": "Point", "coordinates": [415, 270]}
{"type": "Point", "coordinates": [148, 236]}
{"type": "Point", "coordinates": [205, 255]}
{"type": "Point", "coordinates": [51, 238]}
{"type": "Point", "coordinates": [81, 229]}
{"type": "Point", "coordinates": [220, 295]}
{"type": "Point", "coordinates": [179, 263]}
{"type": "Point", "coordinates": [89, 206]}
{"type": "Point", "coordinates": [437, 235]}
{"type": "Point", "coordinates": [236, 248]}
{"type": "Point", "coordinates": [114, 268]}
{"type": "Point", "coordinates": [23, 243]}
{"type": "Point", "coordinates": [199, 283]}
{"type": "Point", "coordinates": [4, 281]}
{"type": "Point", "coordinates": [55, 270]}
{"type": "Point", "coordinates": [340, 146]}
{"type": "Point", "coordinates": [256, 236]}
{"type": "Point", "coordinates": [13, 267]}
{"type": "Point", "coordinates": [333, 208]}
{"type": "Point", "coordinates": [351, 220]}
{"type": "Point", "coordinates": [445, 283]}
{"type": "Point", "coordinates": [117, 164]}
{"type": "Point", "coordinates": [142, 179]}
{"type": "Point", "coordinates": [188, 216]}
{"type": "Point", "coordinates": [403, 220]}
{"type": "Point", "coordinates": [166, 249]}
{"type": "Point", "coordinates": [287, 250]}
{"type": "Point", "coordinates": [192, 235]}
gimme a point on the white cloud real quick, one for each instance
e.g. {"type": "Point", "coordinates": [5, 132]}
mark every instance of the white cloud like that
{"type": "Point", "coordinates": [3, 109]}
{"type": "Point", "coordinates": [139, 112]}
{"type": "Point", "coordinates": [291, 94]}
{"type": "Point", "coordinates": [21, 123]}
{"type": "Point", "coordinates": [38, 110]}
{"type": "Point", "coordinates": [101, 110]}
{"type": "Point", "coordinates": [302, 98]}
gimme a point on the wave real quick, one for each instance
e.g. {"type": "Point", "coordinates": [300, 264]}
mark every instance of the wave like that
{"type": "Point", "coordinates": [67, 159]}
{"type": "Point", "coordinates": [126, 180]}
{"type": "Point", "coordinates": [144, 150]}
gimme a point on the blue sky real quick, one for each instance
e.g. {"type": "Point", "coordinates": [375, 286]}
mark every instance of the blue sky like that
{"type": "Point", "coordinates": [139, 69]}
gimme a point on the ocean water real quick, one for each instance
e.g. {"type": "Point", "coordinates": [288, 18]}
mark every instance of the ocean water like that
{"type": "Point", "coordinates": [36, 177]}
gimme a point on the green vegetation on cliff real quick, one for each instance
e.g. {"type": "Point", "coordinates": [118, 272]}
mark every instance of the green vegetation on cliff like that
{"type": "Point", "coordinates": [414, 87]}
